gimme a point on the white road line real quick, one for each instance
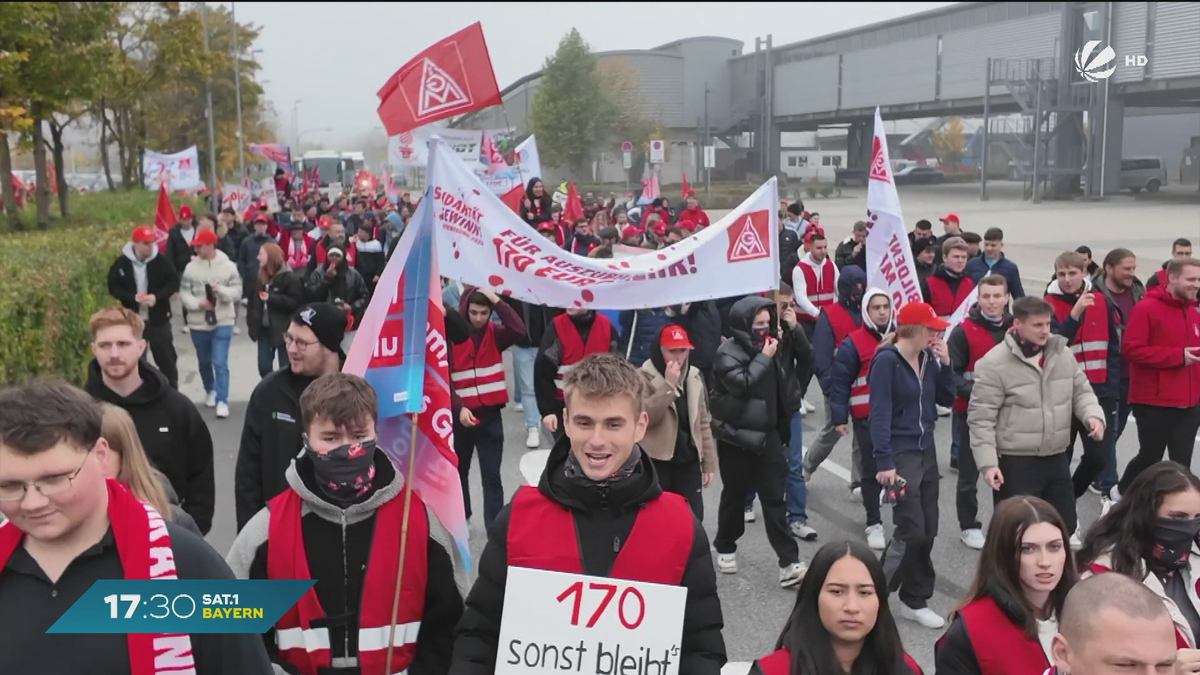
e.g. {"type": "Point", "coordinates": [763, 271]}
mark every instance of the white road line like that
{"type": "Point", "coordinates": [736, 668]}
{"type": "Point", "coordinates": [836, 469]}
{"type": "Point", "coordinates": [532, 463]}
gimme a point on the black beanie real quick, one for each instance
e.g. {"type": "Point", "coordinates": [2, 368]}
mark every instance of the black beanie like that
{"type": "Point", "coordinates": [327, 322]}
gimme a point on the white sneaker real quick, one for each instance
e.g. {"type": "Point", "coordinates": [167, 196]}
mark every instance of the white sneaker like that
{"type": "Point", "coordinates": [534, 440]}
{"type": "Point", "coordinates": [875, 538]}
{"type": "Point", "coordinates": [924, 616]}
{"type": "Point", "coordinates": [222, 410]}
{"type": "Point", "coordinates": [806, 406]}
{"type": "Point", "coordinates": [1076, 544]}
{"type": "Point", "coordinates": [792, 574]}
{"type": "Point", "coordinates": [1105, 505]}
{"type": "Point", "coordinates": [807, 474]}
{"type": "Point", "coordinates": [184, 330]}
{"type": "Point", "coordinates": [727, 563]}
{"type": "Point", "coordinates": [802, 531]}
{"type": "Point", "coordinates": [1114, 494]}
{"type": "Point", "coordinates": [749, 515]}
{"type": "Point", "coordinates": [519, 407]}
{"type": "Point", "coordinates": [943, 412]}
{"type": "Point", "coordinates": [210, 401]}
{"type": "Point", "coordinates": [237, 330]}
{"type": "Point", "coordinates": [973, 538]}
{"type": "Point", "coordinates": [856, 493]}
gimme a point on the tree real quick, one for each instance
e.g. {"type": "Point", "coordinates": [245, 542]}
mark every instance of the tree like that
{"type": "Point", "coordinates": [630, 122]}
{"type": "Point", "coordinates": [20, 34]}
{"type": "Point", "coordinates": [573, 110]}
{"type": "Point", "coordinates": [949, 142]}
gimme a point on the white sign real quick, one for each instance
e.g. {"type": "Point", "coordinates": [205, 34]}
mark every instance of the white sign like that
{"type": "Point", "coordinates": [180, 171]}
{"type": "Point", "coordinates": [334, 190]}
{"type": "Point", "coordinates": [657, 152]}
{"type": "Point", "coordinates": [710, 156]}
{"type": "Point", "coordinates": [627, 160]}
{"type": "Point", "coordinates": [411, 148]}
{"type": "Point", "coordinates": [554, 623]}
{"type": "Point", "coordinates": [237, 197]}
{"type": "Point", "coordinates": [267, 186]}
{"type": "Point", "coordinates": [889, 255]}
{"type": "Point", "coordinates": [483, 243]}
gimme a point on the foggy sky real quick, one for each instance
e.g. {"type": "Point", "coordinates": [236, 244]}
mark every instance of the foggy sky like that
{"type": "Point", "coordinates": [333, 57]}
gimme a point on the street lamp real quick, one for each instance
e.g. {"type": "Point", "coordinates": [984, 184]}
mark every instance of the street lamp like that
{"type": "Point", "coordinates": [296, 124]}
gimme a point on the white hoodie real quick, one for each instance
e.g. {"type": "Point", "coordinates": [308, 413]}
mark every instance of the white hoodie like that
{"type": "Point", "coordinates": [800, 285]}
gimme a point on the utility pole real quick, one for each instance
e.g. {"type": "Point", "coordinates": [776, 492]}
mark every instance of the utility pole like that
{"type": "Point", "coordinates": [704, 151]}
{"type": "Point", "coordinates": [237, 89]}
{"type": "Point", "coordinates": [212, 144]}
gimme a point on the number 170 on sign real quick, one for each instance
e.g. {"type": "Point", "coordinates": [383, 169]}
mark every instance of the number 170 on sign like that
{"type": "Point", "coordinates": [573, 623]}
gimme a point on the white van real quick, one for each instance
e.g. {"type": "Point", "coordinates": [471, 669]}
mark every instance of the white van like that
{"type": "Point", "coordinates": [1143, 172]}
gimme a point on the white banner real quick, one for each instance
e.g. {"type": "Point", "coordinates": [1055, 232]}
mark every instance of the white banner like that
{"type": "Point", "coordinates": [961, 313]}
{"type": "Point", "coordinates": [267, 192]}
{"type": "Point", "coordinates": [181, 171]}
{"type": "Point", "coordinates": [554, 622]}
{"type": "Point", "coordinates": [237, 197]}
{"type": "Point", "coordinates": [483, 243]}
{"type": "Point", "coordinates": [529, 165]}
{"type": "Point", "coordinates": [411, 149]}
{"type": "Point", "coordinates": [889, 256]}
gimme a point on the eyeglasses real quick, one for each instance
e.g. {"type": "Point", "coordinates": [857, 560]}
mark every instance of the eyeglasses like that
{"type": "Point", "coordinates": [48, 486]}
{"type": "Point", "coordinates": [288, 340]}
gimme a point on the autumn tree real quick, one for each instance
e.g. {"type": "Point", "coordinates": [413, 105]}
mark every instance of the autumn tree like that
{"type": "Point", "coordinates": [630, 121]}
{"type": "Point", "coordinates": [573, 110]}
{"type": "Point", "coordinates": [949, 142]}
{"type": "Point", "coordinates": [16, 39]}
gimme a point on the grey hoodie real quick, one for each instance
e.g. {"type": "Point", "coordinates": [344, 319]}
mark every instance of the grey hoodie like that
{"type": "Point", "coordinates": [139, 272]}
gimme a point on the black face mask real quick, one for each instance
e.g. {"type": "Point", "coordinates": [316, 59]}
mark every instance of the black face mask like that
{"type": "Point", "coordinates": [345, 472]}
{"type": "Point", "coordinates": [1173, 541]}
{"type": "Point", "coordinates": [1029, 349]}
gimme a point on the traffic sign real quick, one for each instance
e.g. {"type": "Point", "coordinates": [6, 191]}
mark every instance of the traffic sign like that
{"type": "Point", "coordinates": [628, 160]}
{"type": "Point", "coordinates": [657, 152]}
{"type": "Point", "coordinates": [626, 146]}
{"type": "Point", "coordinates": [710, 157]}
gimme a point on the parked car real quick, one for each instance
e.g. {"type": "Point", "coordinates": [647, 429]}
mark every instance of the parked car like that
{"type": "Point", "coordinates": [919, 175]}
{"type": "Point", "coordinates": [1143, 172]}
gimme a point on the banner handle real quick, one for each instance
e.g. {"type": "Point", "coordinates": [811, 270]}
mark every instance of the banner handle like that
{"type": "Point", "coordinates": [412, 460]}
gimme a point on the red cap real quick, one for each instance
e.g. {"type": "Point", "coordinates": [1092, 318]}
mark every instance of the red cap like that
{"type": "Point", "coordinates": [261, 218]}
{"type": "Point", "coordinates": [687, 225]}
{"type": "Point", "coordinates": [949, 218]}
{"type": "Point", "coordinates": [185, 213]}
{"type": "Point", "coordinates": [144, 235]}
{"type": "Point", "coordinates": [204, 237]}
{"type": "Point", "coordinates": [324, 222]}
{"type": "Point", "coordinates": [675, 337]}
{"type": "Point", "coordinates": [630, 232]}
{"type": "Point", "coordinates": [547, 226]}
{"type": "Point", "coordinates": [660, 228]}
{"type": "Point", "coordinates": [920, 314]}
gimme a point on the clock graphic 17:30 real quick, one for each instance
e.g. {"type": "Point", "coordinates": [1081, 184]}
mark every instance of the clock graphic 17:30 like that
{"type": "Point", "coordinates": [157, 606]}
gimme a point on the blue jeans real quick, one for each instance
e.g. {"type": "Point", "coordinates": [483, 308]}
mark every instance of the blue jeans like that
{"type": "Point", "coordinates": [523, 358]}
{"type": "Point", "coordinates": [266, 356]}
{"type": "Point", "coordinates": [1108, 477]}
{"type": "Point", "coordinates": [212, 355]}
{"type": "Point", "coordinates": [796, 490]}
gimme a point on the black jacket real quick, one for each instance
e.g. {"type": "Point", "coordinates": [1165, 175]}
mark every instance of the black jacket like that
{"type": "Point", "coordinates": [960, 350]}
{"type": "Point", "coordinates": [337, 544]}
{"type": "Point", "coordinates": [953, 654]}
{"type": "Point", "coordinates": [549, 356]}
{"type": "Point", "coordinates": [271, 437]}
{"type": "Point", "coordinates": [285, 294]}
{"type": "Point", "coordinates": [162, 281]}
{"type": "Point", "coordinates": [942, 273]}
{"type": "Point", "coordinates": [753, 395]}
{"type": "Point", "coordinates": [179, 250]}
{"type": "Point", "coordinates": [536, 318]}
{"type": "Point", "coordinates": [347, 286]}
{"type": "Point", "coordinates": [702, 321]}
{"type": "Point", "coordinates": [844, 254]}
{"type": "Point", "coordinates": [174, 434]}
{"type": "Point", "coordinates": [247, 258]}
{"type": "Point", "coordinates": [603, 517]}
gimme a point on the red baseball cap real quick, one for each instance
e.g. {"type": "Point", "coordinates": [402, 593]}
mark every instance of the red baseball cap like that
{"type": "Point", "coordinates": [660, 228]}
{"type": "Point", "coordinates": [547, 226]}
{"type": "Point", "coordinates": [143, 235]}
{"type": "Point", "coordinates": [630, 232]}
{"type": "Point", "coordinates": [920, 314]}
{"type": "Point", "coordinates": [204, 237]}
{"type": "Point", "coordinates": [949, 218]}
{"type": "Point", "coordinates": [185, 213]}
{"type": "Point", "coordinates": [686, 225]}
{"type": "Point", "coordinates": [675, 337]}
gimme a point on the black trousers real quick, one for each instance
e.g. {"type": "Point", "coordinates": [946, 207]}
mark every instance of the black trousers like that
{"type": "Point", "coordinates": [684, 479]}
{"type": "Point", "coordinates": [908, 559]}
{"type": "Point", "coordinates": [809, 327]}
{"type": "Point", "coordinates": [868, 484]}
{"type": "Point", "coordinates": [1095, 453]}
{"type": "Point", "coordinates": [485, 439]}
{"type": "Point", "coordinates": [1158, 428]}
{"type": "Point", "coordinates": [1048, 478]}
{"type": "Point", "coordinates": [966, 492]}
{"type": "Point", "coordinates": [742, 471]}
{"type": "Point", "coordinates": [162, 347]}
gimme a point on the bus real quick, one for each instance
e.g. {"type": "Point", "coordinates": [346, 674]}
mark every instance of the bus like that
{"type": "Point", "coordinates": [333, 166]}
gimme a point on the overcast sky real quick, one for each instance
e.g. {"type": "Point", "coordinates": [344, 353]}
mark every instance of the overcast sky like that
{"type": "Point", "coordinates": [333, 57]}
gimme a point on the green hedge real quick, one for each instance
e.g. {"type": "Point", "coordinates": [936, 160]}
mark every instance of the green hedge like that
{"type": "Point", "coordinates": [51, 281]}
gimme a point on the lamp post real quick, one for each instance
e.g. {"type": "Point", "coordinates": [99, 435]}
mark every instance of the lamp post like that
{"type": "Point", "coordinates": [212, 143]}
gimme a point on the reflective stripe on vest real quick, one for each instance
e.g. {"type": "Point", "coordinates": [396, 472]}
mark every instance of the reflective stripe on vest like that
{"type": "Point", "coordinates": [573, 349]}
{"type": "Point", "coordinates": [865, 343]}
{"type": "Point", "coordinates": [979, 342]}
{"type": "Point", "coordinates": [941, 299]}
{"type": "Point", "coordinates": [1090, 344]}
{"type": "Point", "coordinates": [820, 291]}
{"type": "Point", "coordinates": [477, 371]}
{"type": "Point", "coordinates": [314, 639]}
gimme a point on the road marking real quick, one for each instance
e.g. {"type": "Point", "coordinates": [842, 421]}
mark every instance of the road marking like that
{"type": "Point", "coordinates": [532, 463]}
{"type": "Point", "coordinates": [736, 668]}
{"type": "Point", "coordinates": [836, 469]}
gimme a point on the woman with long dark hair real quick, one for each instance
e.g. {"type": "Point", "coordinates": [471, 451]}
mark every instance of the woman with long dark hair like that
{"type": "Point", "coordinates": [841, 624]}
{"type": "Point", "coordinates": [1151, 536]}
{"type": "Point", "coordinates": [535, 208]}
{"type": "Point", "coordinates": [1006, 621]}
{"type": "Point", "coordinates": [278, 293]}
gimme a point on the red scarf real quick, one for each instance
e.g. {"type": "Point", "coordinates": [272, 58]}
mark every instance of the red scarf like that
{"type": "Point", "coordinates": [145, 551]}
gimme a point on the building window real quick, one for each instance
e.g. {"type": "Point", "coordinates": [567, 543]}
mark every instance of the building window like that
{"type": "Point", "coordinates": [826, 161]}
{"type": "Point", "coordinates": [791, 161]}
{"type": "Point", "coordinates": [837, 160]}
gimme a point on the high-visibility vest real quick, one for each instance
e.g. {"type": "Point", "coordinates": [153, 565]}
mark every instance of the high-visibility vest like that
{"type": "Point", "coordinates": [477, 372]}
{"type": "Point", "coordinates": [780, 663]}
{"type": "Point", "coordinates": [979, 342]}
{"type": "Point", "coordinates": [865, 343]}
{"type": "Point", "coordinates": [1001, 647]}
{"type": "Point", "coordinates": [573, 348]}
{"type": "Point", "coordinates": [841, 322]}
{"type": "Point", "coordinates": [307, 647]}
{"type": "Point", "coordinates": [942, 300]}
{"type": "Point", "coordinates": [821, 291]}
{"type": "Point", "coordinates": [1090, 344]}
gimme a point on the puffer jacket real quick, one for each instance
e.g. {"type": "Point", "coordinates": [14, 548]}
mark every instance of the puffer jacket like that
{"type": "Point", "coordinates": [662, 406]}
{"type": "Point", "coordinates": [1025, 406]}
{"type": "Point", "coordinates": [199, 273]}
{"type": "Point", "coordinates": [641, 327]}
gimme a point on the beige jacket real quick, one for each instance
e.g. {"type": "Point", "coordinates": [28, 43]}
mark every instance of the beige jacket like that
{"type": "Point", "coordinates": [659, 442]}
{"type": "Point", "coordinates": [1019, 407]}
{"type": "Point", "coordinates": [220, 271]}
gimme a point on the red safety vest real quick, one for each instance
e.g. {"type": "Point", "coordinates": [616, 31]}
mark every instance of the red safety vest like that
{"type": "Point", "coordinates": [307, 648]}
{"type": "Point", "coordinates": [821, 292]}
{"type": "Point", "coordinates": [943, 301]}
{"type": "Point", "coordinates": [979, 342]}
{"type": "Point", "coordinates": [841, 322]}
{"type": "Point", "coordinates": [780, 663]}
{"type": "Point", "coordinates": [865, 343]}
{"type": "Point", "coordinates": [477, 372]}
{"type": "Point", "coordinates": [1001, 647]}
{"type": "Point", "coordinates": [1090, 344]}
{"type": "Point", "coordinates": [573, 349]}
{"type": "Point", "coordinates": [542, 535]}
{"type": "Point", "coordinates": [1180, 641]}
{"type": "Point", "coordinates": [349, 249]}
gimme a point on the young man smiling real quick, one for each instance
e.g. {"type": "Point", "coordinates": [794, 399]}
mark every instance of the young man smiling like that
{"type": "Point", "coordinates": [598, 510]}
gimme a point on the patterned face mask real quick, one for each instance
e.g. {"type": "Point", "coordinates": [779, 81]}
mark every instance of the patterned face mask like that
{"type": "Point", "coordinates": [346, 471]}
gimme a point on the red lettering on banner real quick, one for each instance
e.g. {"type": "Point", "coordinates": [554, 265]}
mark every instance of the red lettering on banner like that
{"type": "Point", "coordinates": [457, 215]}
{"type": "Point", "coordinates": [510, 256]}
{"type": "Point", "coordinates": [897, 268]}
{"type": "Point", "coordinates": [185, 163]}
{"type": "Point", "coordinates": [749, 238]}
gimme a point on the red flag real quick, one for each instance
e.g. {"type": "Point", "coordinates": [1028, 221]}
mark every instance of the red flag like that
{"type": "Point", "coordinates": [687, 191]}
{"type": "Point", "coordinates": [573, 209]}
{"type": "Point", "coordinates": [164, 217]}
{"type": "Point", "coordinates": [512, 199]}
{"type": "Point", "coordinates": [452, 77]}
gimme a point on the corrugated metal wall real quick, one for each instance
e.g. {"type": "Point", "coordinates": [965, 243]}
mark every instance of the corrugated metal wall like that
{"type": "Point", "coordinates": [806, 86]}
{"type": "Point", "coordinates": [902, 72]}
{"type": "Point", "coordinates": [660, 83]}
{"type": "Point", "coordinates": [1129, 39]}
{"type": "Point", "coordinates": [743, 86]}
{"type": "Point", "coordinates": [1176, 51]}
{"type": "Point", "coordinates": [964, 53]}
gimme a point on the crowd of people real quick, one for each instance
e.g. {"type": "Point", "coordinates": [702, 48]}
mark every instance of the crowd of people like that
{"type": "Point", "coordinates": [643, 409]}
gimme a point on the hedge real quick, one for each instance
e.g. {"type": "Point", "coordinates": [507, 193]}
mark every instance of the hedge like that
{"type": "Point", "coordinates": [51, 281]}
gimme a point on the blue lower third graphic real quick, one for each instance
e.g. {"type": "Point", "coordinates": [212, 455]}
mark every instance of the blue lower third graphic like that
{"type": "Point", "coordinates": [181, 606]}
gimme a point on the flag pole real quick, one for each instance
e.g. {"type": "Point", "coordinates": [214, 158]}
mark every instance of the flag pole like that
{"type": "Point", "coordinates": [412, 460]}
{"type": "Point", "coordinates": [516, 155]}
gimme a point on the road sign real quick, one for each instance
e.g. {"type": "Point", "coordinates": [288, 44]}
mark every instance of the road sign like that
{"type": "Point", "coordinates": [626, 146]}
{"type": "Point", "coordinates": [657, 152]}
{"type": "Point", "coordinates": [628, 161]}
{"type": "Point", "coordinates": [710, 156]}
